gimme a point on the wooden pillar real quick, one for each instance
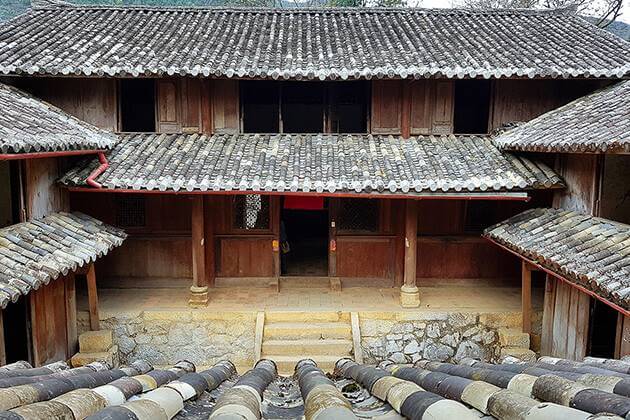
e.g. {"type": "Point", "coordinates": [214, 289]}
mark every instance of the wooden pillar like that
{"type": "Point", "coordinates": [95, 323]}
{"type": "Point", "coordinates": [405, 118]}
{"type": "Point", "coordinates": [526, 297]}
{"type": "Point", "coordinates": [71, 314]}
{"type": "Point", "coordinates": [199, 288]}
{"type": "Point", "coordinates": [409, 293]}
{"type": "Point", "coordinates": [209, 242]}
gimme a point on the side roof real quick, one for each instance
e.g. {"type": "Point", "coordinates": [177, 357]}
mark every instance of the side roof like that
{"type": "Point", "coordinates": [34, 253]}
{"type": "Point", "coordinates": [589, 251]}
{"type": "Point", "coordinates": [599, 122]}
{"type": "Point", "coordinates": [29, 125]}
{"type": "Point", "coordinates": [315, 163]}
{"type": "Point", "coordinates": [324, 43]}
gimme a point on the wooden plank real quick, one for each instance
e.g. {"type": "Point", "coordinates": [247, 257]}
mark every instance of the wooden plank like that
{"type": "Point", "coordinates": [405, 118]}
{"type": "Point", "coordinates": [3, 350]}
{"type": "Point", "coordinates": [198, 243]}
{"type": "Point", "coordinates": [526, 297]}
{"type": "Point", "coordinates": [71, 314]}
{"type": "Point", "coordinates": [386, 107]}
{"type": "Point", "coordinates": [365, 257]}
{"type": "Point", "coordinates": [225, 100]}
{"type": "Point", "coordinates": [572, 325]}
{"type": "Point", "coordinates": [95, 323]}
{"type": "Point", "coordinates": [191, 105]}
{"type": "Point", "coordinates": [411, 242]}
{"type": "Point", "coordinates": [560, 320]}
{"type": "Point", "coordinates": [48, 323]}
{"type": "Point", "coordinates": [421, 112]}
{"type": "Point", "coordinates": [168, 115]}
{"type": "Point", "coordinates": [581, 334]}
{"type": "Point", "coordinates": [245, 256]}
{"type": "Point", "coordinates": [42, 194]}
{"type": "Point", "coordinates": [443, 108]}
{"type": "Point", "coordinates": [356, 337]}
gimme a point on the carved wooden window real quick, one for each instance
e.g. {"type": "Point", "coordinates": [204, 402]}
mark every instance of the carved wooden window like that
{"type": "Point", "coordinates": [250, 212]}
{"type": "Point", "coordinates": [130, 212]}
{"type": "Point", "coordinates": [358, 216]}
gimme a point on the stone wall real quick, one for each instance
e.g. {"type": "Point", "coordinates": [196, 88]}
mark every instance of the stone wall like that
{"type": "Point", "coordinates": [165, 337]}
{"type": "Point", "coordinates": [441, 336]}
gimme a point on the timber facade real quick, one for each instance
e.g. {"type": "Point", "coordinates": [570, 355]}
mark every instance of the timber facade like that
{"type": "Point", "coordinates": [355, 188]}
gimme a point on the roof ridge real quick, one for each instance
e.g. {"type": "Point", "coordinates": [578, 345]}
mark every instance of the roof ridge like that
{"type": "Point", "coordinates": [48, 4]}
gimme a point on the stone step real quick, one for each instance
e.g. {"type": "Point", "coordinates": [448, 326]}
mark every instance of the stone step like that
{"type": "Point", "coordinates": [512, 337]}
{"type": "Point", "coordinates": [110, 356]}
{"type": "Point", "coordinates": [314, 330]}
{"type": "Point", "coordinates": [96, 341]}
{"type": "Point", "coordinates": [299, 347]}
{"type": "Point", "coordinates": [524, 355]}
{"type": "Point", "coordinates": [306, 317]}
{"type": "Point", "coordinates": [286, 364]}
{"type": "Point", "coordinates": [305, 282]}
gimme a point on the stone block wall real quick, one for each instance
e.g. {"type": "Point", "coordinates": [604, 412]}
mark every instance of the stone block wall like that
{"type": "Point", "coordinates": [441, 336]}
{"type": "Point", "coordinates": [164, 337]}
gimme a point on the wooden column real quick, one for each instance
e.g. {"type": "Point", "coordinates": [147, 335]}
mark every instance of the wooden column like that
{"type": "Point", "coordinates": [71, 314]}
{"type": "Point", "coordinates": [199, 288]}
{"type": "Point", "coordinates": [409, 293]}
{"type": "Point", "coordinates": [95, 323]}
{"type": "Point", "coordinates": [209, 241]}
{"type": "Point", "coordinates": [526, 297]}
{"type": "Point", "coordinates": [3, 353]}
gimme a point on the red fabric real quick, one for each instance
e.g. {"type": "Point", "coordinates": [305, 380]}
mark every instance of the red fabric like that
{"type": "Point", "coordinates": [304, 203]}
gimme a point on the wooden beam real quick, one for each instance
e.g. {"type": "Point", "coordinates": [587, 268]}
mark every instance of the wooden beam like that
{"type": "Point", "coordinates": [409, 294]}
{"type": "Point", "coordinates": [71, 314]}
{"type": "Point", "coordinates": [199, 288]}
{"type": "Point", "coordinates": [526, 297]}
{"type": "Point", "coordinates": [95, 323]}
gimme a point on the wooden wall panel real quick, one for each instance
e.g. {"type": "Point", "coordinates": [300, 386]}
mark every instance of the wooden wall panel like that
{"type": "Point", "coordinates": [422, 98]}
{"type": "Point", "coordinates": [244, 257]}
{"type": "Point", "coordinates": [160, 257]}
{"type": "Point", "coordinates": [191, 105]}
{"type": "Point", "coordinates": [168, 104]}
{"type": "Point", "coordinates": [49, 323]}
{"type": "Point", "coordinates": [90, 99]}
{"type": "Point", "coordinates": [461, 257]}
{"type": "Point", "coordinates": [565, 321]}
{"type": "Point", "coordinates": [43, 196]}
{"type": "Point", "coordinates": [581, 174]}
{"type": "Point", "coordinates": [386, 106]}
{"type": "Point", "coordinates": [367, 257]}
{"type": "Point", "coordinates": [522, 100]}
{"type": "Point", "coordinates": [622, 342]}
{"type": "Point", "coordinates": [442, 122]}
{"type": "Point", "coordinates": [225, 106]}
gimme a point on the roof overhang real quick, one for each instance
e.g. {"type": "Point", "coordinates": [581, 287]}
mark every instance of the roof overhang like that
{"type": "Point", "coordinates": [41, 155]}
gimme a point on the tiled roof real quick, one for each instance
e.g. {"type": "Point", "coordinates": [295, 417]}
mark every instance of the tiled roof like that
{"type": "Point", "coordinates": [599, 122]}
{"type": "Point", "coordinates": [589, 251]}
{"type": "Point", "coordinates": [36, 252]}
{"type": "Point", "coordinates": [308, 43]}
{"type": "Point", "coordinates": [324, 163]}
{"type": "Point", "coordinates": [28, 125]}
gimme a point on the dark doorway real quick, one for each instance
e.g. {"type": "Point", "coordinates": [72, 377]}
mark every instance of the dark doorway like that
{"type": "Point", "coordinates": [137, 105]}
{"type": "Point", "coordinates": [304, 237]}
{"type": "Point", "coordinates": [16, 331]}
{"type": "Point", "coordinates": [603, 330]}
{"type": "Point", "coordinates": [261, 113]}
{"type": "Point", "coordinates": [472, 106]}
{"type": "Point", "coordinates": [348, 107]}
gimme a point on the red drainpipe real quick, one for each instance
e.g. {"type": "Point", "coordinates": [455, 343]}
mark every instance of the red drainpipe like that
{"type": "Point", "coordinates": [98, 171]}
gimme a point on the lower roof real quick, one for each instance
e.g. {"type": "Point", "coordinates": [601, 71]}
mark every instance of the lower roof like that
{"type": "Point", "coordinates": [35, 252]}
{"type": "Point", "coordinates": [314, 163]}
{"type": "Point", "coordinates": [589, 251]}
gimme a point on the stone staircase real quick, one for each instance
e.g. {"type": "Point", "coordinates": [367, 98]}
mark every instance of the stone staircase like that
{"type": "Point", "coordinates": [289, 337]}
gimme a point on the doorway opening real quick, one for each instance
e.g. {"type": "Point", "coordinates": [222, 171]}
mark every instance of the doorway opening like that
{"type": "Point", "coordinates": [304, 236]}
{"type": "Point", "coordinates": [15, 318]}
{"type": "Point", "coordinates": [602, 328]}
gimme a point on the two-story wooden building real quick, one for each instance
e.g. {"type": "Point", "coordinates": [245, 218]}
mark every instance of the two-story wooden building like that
{"type": "Point", "coordinates": [308, 146]}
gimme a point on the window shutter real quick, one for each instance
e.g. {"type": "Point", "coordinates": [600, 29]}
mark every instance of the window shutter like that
{"type": "Point", "coordinates": [167, 106]}
{"type": "Point", "coordinates": [443, 108]}
{"type": "Point", "coordinates": [421, 106]}
{"type": "Point", "coordinates": [225, 106]}
{"type": "Point", "coordinates": [386, 106]}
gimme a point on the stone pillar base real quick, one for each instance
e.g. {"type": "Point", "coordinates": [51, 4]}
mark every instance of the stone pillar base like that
{"type": "Point", "coordinates": [409, 296]}
{"type": "Point", "coordinates": [198, 296]}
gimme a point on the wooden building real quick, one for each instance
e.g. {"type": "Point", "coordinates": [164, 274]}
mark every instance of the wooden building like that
{"type": "Point", "coordinates": [42, 246]}
{"type": "Point", "coordinates": [263, 147]}
{"type": "Point", "coordinates": [583, 243]}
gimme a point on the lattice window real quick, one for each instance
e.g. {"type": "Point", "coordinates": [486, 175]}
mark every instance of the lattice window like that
{"type": "Point", "coordinates": [130, 212]}
{"type": "Point", "coordinates": [359, 215]}
{"type": "Point", "coordinates": [251, 212]}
